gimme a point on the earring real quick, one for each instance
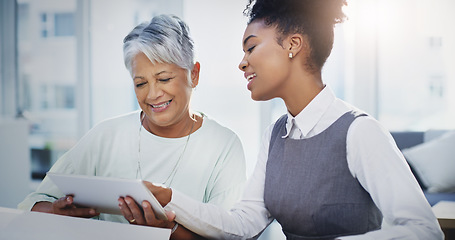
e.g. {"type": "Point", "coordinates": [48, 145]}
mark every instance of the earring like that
{"type": "Point", "coordinates": [290, 55]}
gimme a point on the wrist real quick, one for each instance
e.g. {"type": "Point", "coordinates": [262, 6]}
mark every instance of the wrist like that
{"type": "Point", "coordinates": [174, 228]}
{"type": "Point", "coordinates": [165, 195]}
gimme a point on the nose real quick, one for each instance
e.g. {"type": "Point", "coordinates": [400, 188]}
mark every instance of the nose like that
{"type": "Point", "coordinates": [243, 64]}
{"type": "Point", "coordinates": [154, 92]}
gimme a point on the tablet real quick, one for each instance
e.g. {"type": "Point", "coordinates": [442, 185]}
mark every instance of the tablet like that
{"type": "Point", "coordinates": [102, 193]}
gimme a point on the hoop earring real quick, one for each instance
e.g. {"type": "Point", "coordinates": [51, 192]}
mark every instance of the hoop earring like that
{"type": "Point", "coordinates": [290, 55]}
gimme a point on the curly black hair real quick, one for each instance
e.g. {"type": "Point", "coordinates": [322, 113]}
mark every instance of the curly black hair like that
{"type": "Point", "coordinates": [313, 18]}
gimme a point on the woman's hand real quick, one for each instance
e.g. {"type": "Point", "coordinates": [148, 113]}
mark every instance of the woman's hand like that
{"type": "Point", "coordinates": [65, 206]}
{"type": "Point", "coordinates": [162, 194]}
{"type": "Point", "coordinates": [143, 215]}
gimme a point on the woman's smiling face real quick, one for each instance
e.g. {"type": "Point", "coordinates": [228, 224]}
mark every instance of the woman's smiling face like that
{"type": "Point", "coordinates": [265, 63]}
{"type": "Point", "coordinates": [162, 90]}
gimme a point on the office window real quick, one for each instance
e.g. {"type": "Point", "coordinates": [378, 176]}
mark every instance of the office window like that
{"type": "Point", "coordinates": [58, 24]}
{"type": "Point", "coordinates": [64, 97]}
{"type": "Point", "coordinates": [69, 75]}
{"type": "Point", "coordinates": [416, 55]}
{"type": "Point", "coordinates": [64, 24]}
{"type": "Point", "coordinates": [23, 14]}
{"type": "Point", "coordinates": [44, 24]}
{"type": "Point", "coordinates": [47, 78]}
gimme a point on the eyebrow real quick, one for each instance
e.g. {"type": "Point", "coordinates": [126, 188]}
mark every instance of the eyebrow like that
{"type": "Point", "coordinates": [156, 74]}
{"type": "Point", "coordinates": [247, 38]}
{"type": "Point", "coordinates": [164, 71]}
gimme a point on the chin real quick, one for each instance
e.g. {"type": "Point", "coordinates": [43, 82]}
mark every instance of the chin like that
{"type": "Point", "coordinates": [254, 97]}
{"type": "Point", "coordinates": [162, 120]}
{"type": "Point", "coordinates": [258, 97]}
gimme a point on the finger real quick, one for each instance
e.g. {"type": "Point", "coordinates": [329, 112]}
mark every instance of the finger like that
{"type": "Point", "coordinates": [59, 206]}
{"type": "Point", "coordinates": [170, 215]}
{"type": "Point", "coordinates": [150, 216]}
{"type": "Point", "coordinates": [135, 210]}
{"type": "Point", "coordinates": [126, 212]}
{"type": "Point", "coordinates": [80, 212]}
{"type": "Point", "coordinates": [148, 213]}
{"type": "Point", "coordinates": [62, 202]}
{"type": "Point", "coordinates": [65, 206]}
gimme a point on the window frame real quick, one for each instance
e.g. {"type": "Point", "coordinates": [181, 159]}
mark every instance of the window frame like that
{"type": "Point", "coordinates": [9, 99]}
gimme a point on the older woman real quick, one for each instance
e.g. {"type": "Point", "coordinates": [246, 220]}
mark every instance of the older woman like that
{"type": "Point", "coordinates": [164, 142]}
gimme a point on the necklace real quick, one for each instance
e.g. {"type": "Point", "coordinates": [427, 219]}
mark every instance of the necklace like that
{"type": "Point", "coordinates": [174, 170]}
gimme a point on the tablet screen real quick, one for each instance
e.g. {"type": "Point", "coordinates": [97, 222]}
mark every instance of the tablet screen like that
{"type": "Point", "coordinates": [102, 193]}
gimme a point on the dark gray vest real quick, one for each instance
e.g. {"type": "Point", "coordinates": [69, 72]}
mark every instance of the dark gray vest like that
{"type": "Point", "coordinates": [309, 189]}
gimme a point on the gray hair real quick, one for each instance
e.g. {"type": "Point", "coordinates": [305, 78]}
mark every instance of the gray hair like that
{"type": "Point", "coordinates": [164, 39]}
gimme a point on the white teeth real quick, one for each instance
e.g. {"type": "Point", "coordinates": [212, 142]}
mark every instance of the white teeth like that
{"type": "Point", "coordinates": [161, 105]}
{"type": "Point", "coordinates": [251, 77]}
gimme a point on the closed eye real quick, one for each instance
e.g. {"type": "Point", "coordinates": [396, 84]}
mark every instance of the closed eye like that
{"type": "Point", "coordinates": [251, 48]}
{"type": "Point", "coordinates": [164, 79]}
{"type": "Point", "coordinates": [140, 84]}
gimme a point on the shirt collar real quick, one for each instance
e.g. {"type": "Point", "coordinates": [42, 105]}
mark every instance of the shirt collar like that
{"type": "Point", "coordinates": [308, 118]}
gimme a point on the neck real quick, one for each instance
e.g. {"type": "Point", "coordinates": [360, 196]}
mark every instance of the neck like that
{"type": "Point", "coordinates": [303, 88]}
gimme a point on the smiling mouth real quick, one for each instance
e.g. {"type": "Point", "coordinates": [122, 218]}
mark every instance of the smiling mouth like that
{"type": "Point", "coordinates": [161, 105]}
{"type": "Point", "coordinates": [250, 77]}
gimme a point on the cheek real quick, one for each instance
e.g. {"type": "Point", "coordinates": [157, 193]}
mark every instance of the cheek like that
{"type": "Point", "coordinates": [179, 89]}
{"type": "Point", "coordinates": [140, 94]}
{"type": "Point", "coordinates": [272, 68]}
{"type": "Point", "coordinates": [268, 60]}
{"type": "Point", "coordinates": [184, 94]}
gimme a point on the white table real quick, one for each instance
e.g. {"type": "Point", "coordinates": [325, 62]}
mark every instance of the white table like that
{"type": "Point", "coordinates": [445, 212]}
{"type": "Point", "coordinates": [17, 224]}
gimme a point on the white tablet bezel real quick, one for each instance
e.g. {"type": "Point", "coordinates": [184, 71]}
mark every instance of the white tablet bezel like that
{"type": "Point", "coordinates": [102, 193]}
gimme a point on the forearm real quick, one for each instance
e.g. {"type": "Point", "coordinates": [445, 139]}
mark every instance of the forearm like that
{"type": "Point", "coordinates": [163, 196]}
{"type": "Point", "coordinates": [246, 220]}
{"type": "Point", "coordinates": [182, 233]}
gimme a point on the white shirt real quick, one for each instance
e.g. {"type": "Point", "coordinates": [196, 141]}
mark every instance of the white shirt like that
{"type": "Point", "coordinates": [211, 170]}
{"type": "Point", "coordinates": [373, 158]}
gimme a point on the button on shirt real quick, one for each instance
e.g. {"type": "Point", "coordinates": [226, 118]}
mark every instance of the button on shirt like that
{"type": "Point", "coordinates": [373, 159]}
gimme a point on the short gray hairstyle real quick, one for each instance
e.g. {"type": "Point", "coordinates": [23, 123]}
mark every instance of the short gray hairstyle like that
{"type": "Point", "coordinates": [164, 39]}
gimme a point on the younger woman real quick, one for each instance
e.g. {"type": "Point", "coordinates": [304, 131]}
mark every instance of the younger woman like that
{"type": "Point", "coordinates": [325, 169]}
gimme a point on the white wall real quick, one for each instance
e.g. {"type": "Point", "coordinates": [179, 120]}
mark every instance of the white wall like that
{"type": "Point", "coordinates": [217, 29]}
{"type": "Point", "coordinates": [14, 162]}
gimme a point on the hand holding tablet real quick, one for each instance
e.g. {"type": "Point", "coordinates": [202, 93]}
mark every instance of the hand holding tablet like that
{"type": "Point", "coordinates": [102, 193]}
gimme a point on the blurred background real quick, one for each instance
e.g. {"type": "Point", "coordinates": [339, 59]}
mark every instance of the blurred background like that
{"type": "Point", "coordinates": [62, 72]}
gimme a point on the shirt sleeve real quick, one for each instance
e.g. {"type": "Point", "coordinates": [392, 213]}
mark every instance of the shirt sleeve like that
{"type": "Point", "coordinates": [47, 191]}
{"type": "Point", "coordinates": [246, 220]}
{"type": "Point", "coordinates": [375, 160]}
{"type": "Point", "coordinates": [227, 182]}
{"type": "Point", "coordinates": [75, 160]}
